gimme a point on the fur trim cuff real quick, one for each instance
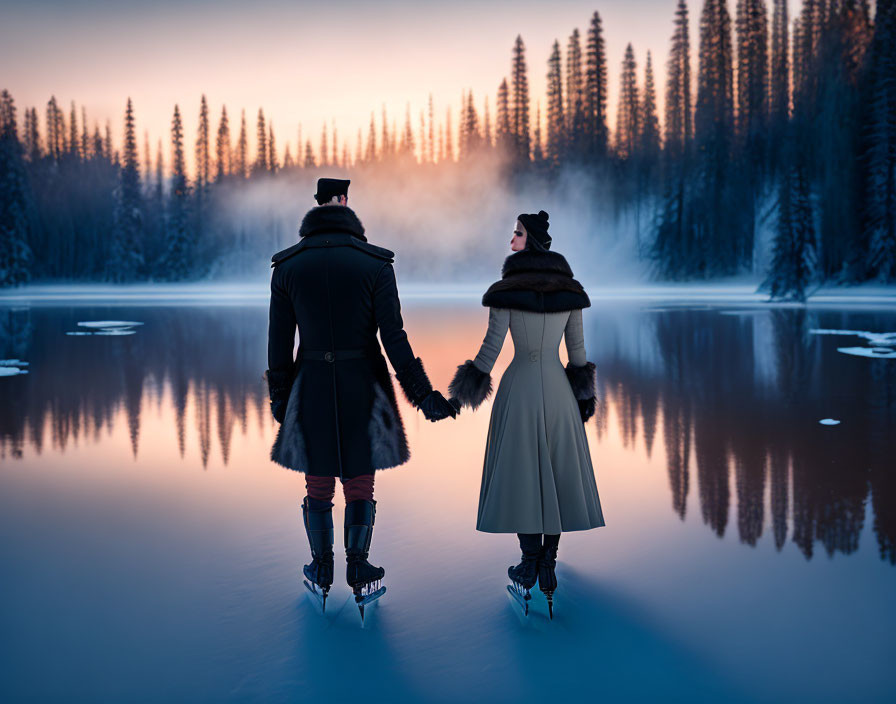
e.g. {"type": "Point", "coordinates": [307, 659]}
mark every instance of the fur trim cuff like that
{"type": "Point", "coordinates": [581, 379]}
{"type": "Point", "coordinates": [414, 382]}
{"type": "Point", "coordinates": [470, 386]}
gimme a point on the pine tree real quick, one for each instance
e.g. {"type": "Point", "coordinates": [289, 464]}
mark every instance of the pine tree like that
{"type": "Point", "coordinates": [385, 146]}
{"type": "Point", "coordinates": [679, 119]}
{"type": "Point", "coordinates": [241, 157]}
{"type": "Point", "coordinates": [179, 244]}
{"type": "Point", "coordinates": [33, 148]}
{"type": "Point", "coordinates": [779, 110]}
{"type": "Point", "coordinates": [371, 141]}
{"type": "Point", "coordinates": [128, 245]}
{"type": "Point", "coordinates": [537, 149]}
{"type": "Point", "coordinates": [74, 142]}
{"type": "Point", "coordinates": [752, 112]}
{"type": "Point", "coordinates": [596, 90]}
{"type": "Point", "coordinates": [502, 124]}
{"type": "Point", "coordinates": [556, 128]}
{"type": "Point", "coordinates": [520, 102]}
{"type": "Point", "coordinates": [575, 98]}
{"type": "Point", "coordinates": [85, 138]}
{"type": "Point", "coordinates": [628, 118]}
{"type": "Point", "coordinates": [203, 167]}
{"type": "Point", "coordinates": [261, 156]}
{"type": "Point", "coordinates": [432, 136]}
{"type": "Point", "coordinates": [650, 124]}
{"type": "Point", "coordinates": [55, 138]}
{"type": "Point", "coordinates": [273, 162]}
{"type": "Point", "coordinates": [335, 158]}
{"type": "Point", "coordinates": [222, 147]}
{"type": "Point", "coordinates": [714, 135]}
{"type": "Point", "coordinates": [15, 200]}
{"type": "Point", "coordinates": [673, 247]}
{"type": "Point", "coordinates": [486, 125]}
{"type": "Point", "coordinates": [407, 134]}
{"type": "Point", "coordinates": [287, 159]}
{"type": "Point", "coordinates": [880, 204]}
{"type": "Point", "coordinates": [309, 156]}
{"type": "Point", "coordinates": [794, 254]}
{"type": "Point", "coordinates": [448, 144]}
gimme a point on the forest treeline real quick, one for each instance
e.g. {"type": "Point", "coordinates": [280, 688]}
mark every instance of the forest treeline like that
{"type": "Point", "coordinates": [785, 125]}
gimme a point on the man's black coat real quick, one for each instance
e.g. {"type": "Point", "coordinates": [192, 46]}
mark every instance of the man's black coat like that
{"type": "Point", "coordinates": [341, 419]}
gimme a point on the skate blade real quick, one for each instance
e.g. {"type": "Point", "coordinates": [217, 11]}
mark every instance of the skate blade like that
{"type": "Point", "coordinates": [520, 597]}
{"type": "Point", "coordinates": [318, 596]}
{"type": "Point", "coordinates": [363, 600]}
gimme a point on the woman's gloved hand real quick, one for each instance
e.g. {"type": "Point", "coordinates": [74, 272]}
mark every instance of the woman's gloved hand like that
{"type": "Point", "coordinates": [437, 407]}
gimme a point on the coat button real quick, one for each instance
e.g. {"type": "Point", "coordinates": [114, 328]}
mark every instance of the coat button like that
{"type": "Point", "coordinates": [329, 356]}
{"type": "Point", "coordinates": [533, 356]}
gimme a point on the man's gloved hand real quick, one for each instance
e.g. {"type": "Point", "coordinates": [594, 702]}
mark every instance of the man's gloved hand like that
{"type": "Point", "coordinates": [279, 386]}
{"type": "Point", "coordinates": [278, 409]}
{"type": "Point", "coordinates": [436, 407]}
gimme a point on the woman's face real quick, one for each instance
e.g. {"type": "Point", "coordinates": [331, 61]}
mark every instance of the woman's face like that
{"type": "Point", "coordinates": [518, 241]}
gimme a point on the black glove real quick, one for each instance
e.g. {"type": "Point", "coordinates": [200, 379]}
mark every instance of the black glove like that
{"type": "Point", "coordinates": [586, 408]}
{"type": "Point", "coordinates": [436, 407]}
{"type": "Point", "coordinates": [279, 386]}
{"type": "Point", "coordinates": [278, 409]}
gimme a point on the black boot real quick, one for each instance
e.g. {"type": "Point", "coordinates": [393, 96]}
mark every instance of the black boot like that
{"type": "Point", "coordinates": [547, 562]}
{"type": "Point", "coordinates": [318, 517]}
{"type": "Point", "coordinates": [526, 572]}
{"type": "Point", "coordinates": [358, 533]}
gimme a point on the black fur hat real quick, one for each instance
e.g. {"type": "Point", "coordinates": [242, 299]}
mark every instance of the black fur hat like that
{"type": "Point", "coordinates": [536, 225]}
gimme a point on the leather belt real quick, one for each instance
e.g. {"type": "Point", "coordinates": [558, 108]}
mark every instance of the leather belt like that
{"type": "Point", "coordinates": [332, 356]}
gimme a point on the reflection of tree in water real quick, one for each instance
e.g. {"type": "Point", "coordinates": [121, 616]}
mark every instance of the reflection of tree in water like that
{"type": "Point", "coordinates": [746, 393]}
{"type": "Point", "coordinates": [212, 358]}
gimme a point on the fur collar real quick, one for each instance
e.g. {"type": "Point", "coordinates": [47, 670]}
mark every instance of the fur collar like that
{"type": "Point", "coordinates": [530, 260]}
{"type": "Point", "coordinates": [536, 281]}
{"type": "Point", "coordinates": [331, 218]}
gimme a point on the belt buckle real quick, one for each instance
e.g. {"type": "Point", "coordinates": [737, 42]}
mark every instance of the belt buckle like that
{"type": "Point", "coordinates": [329, 356]}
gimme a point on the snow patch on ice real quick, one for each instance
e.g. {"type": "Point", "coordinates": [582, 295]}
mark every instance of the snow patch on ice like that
{"type": "Point", "coordinates": [829, 421]}
{"type": "Point", "coordinates": [12, 367]}
{"type": "Point", "coordinates": [103, 324]}
{"type": "Point", "coordinates": [876, 338]}
{"type": "Point", "coordinates": [106, 327]}
{"type": "Point", "coordinates": [883, 343]}
{"type": "Point", "coordinates": [872, 352]}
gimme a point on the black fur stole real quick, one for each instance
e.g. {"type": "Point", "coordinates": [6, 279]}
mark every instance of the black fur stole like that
{"type": "Point", "coordinates": [536, 281]}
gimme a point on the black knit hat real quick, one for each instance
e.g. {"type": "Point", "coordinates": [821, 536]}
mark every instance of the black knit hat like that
{"type": "Point", "coordinates": [328, 188]}
{"type": "Point", "coordinates": [536, 225]}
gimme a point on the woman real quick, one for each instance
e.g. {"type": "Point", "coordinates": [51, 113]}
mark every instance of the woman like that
{"type": "Point", "coordinates": [537, 478]}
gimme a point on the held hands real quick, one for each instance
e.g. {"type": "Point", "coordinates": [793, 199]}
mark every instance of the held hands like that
{"type": "Point", "coordinates": [436, 407]}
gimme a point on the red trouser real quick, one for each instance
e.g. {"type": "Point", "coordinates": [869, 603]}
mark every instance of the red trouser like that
{"type": "Point", "coordinates": [324, 488]}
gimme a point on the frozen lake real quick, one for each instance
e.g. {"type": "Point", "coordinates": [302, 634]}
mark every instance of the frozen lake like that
{"type": "Point", "coordinates": [151, 551]}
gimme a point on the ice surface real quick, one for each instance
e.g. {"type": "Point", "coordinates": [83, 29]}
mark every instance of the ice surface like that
{"type": "Point", "coordinates": [829, 421]}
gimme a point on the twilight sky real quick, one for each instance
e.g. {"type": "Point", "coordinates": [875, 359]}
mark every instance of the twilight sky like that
{"type": "Point", "coordinates": [301, 62]}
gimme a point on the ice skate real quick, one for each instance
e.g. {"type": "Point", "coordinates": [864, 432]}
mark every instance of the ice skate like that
{"type": "Point", "coordinates": [547, 576]}
{"type": "Point", "coordinates": [364, 579]}
{"type": "Point", "coordinates": [524, 575]}
{"type": "Point", "coordinates": [319, 528]}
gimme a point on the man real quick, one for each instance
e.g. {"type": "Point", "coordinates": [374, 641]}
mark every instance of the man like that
{"type": "Point", "coordinates": [335, 402]}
